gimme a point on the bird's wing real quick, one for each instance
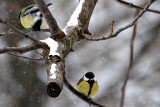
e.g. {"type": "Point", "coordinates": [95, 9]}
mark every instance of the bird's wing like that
{"type": "Point", "coordinates": [31, 11]}
{"type": "Point", "coordinates": [80, 81]}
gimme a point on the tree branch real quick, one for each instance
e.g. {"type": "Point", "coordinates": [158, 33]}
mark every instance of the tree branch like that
{"type": "Point", "coordinates": [130, 64]}
{"type": "Point", "coordinates": [82, 14]}
{"type": "Point", "coordinates": [125, 27]}
{"type": "Point", "coordinates": [137, 7]}
{"type": "Point", "coordinates": [83, 97]}
{"type": "Point", "coordinates": [53, 26]}
{"type": "Point", "coordinates": [16, 31]}
{"type": "Point", "coordinates": [55, 68]}
{"type": "Point", "coordinates": [21, 50]}
{"type": "Point", "coordinates": [78, 24]}
{"type": "Point", "coordinates": [24, 57]}
{"type": "Point", "coordinates": [76, 27]}
{"type": "Point", "coordinates": [74, 32]}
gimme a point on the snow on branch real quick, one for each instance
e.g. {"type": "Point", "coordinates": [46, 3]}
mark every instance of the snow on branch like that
{"type": "Point", "coordinates": [52, 44]}
{"type": "Point", "coordinates": [74, 18]}
{"type": "Point", "coordinates": [81, 16]}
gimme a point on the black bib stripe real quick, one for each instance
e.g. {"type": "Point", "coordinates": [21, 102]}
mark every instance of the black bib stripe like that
{"type": "Point", "coordinates": [91, 82]}
{"type": "Point", "coordinates": [37, 25]}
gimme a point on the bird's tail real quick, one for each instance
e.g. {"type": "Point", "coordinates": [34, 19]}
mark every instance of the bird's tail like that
{"type": "Point", "coordinates": [49, 4]}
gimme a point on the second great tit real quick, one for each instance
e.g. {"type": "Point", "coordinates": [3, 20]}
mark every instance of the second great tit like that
{"type": "Point", "coordinates": [88, 85]}
{"type": "Point", "coordinates": [31, 17]}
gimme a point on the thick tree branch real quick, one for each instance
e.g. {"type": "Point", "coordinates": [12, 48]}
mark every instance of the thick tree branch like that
{"type": "Point", "coordinates": [78, 24]}
{"type": "Point", "coordinates": [75, 29]}
{"type": "Point", "coordinates": [82, 14]}
{"type": "Point", "coordinates": [125, 27]}
{"type": "Point", "coordinates": [137, 7]}
{"type": "Point", "coordinates": [55, 68]}
{"type": "Point", "coordinates": [53, 26]}
{"type": "Point", "coordinates": [55, 71]}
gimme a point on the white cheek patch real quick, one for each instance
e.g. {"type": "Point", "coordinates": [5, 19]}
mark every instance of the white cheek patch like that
{"type": "Point", "coordinates": [93, 79]}
{"type": "Point", "coordinates": [86, 79]}
{"type": "Point", "coordinates": [38, 13]}
{"type": "Point", "coordinates": [37, 18]}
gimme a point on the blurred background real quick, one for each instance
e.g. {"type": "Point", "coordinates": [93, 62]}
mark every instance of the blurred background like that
{"type": "Point", "coordinates": [23, 82]}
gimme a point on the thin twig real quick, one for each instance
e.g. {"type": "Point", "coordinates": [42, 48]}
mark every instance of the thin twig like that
{"type": "Point", "coordinates": [23, 49]}
{"type": "Point", "coordinates": [24, 57]}
{"type": "Point", "coordinates": [137, 7]}
{"type": "Point", "coordinates": [130, 64]}
{"type": "Point", "coordinates": [6, 33]}
{"type": "Point", "coordinates": [18, 31]}
{"type": "Point", "coordinates": [112, 28]}
{"type": "Point", "coordinates": [74, 91]}
{"type": "Point", "coordinates": [39, 53]}
{"type": "Point", "coordinates": [44, 30]}
{"type": "Point", "coordinates": [125, 27]}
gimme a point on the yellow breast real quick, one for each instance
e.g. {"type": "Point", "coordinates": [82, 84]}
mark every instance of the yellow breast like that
{"type": "Point", "coordinates": [28, 21]}
{"type": "Point", "coordinates": [84, 88]}
{"type": "Point", "coordinates": [94, 90]}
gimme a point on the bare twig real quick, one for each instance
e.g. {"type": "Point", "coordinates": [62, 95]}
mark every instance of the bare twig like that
{"type": "Point", "coordinates": [23, 49]}
{"type": "Point", "coordinates": [137, 7]}
{"type": "Point", "coordinates": [18, 31]}
{"type": "Point", "coordinates": [112, 28]}
{"type": "Point", "coordinates": [39, 53]}
{"type": "Point", "coordinates": [24, 57]}
{"type": "Point", "coordinates": [125, 27]}
{"type": "Point", "coordinates": [4, 33]}
{"type": "Point", "coordinates": [44, 30]}
{"type": "Point", "coordinates": [86, 99]}
{"type": "Point", "coordinates": [130, 64]}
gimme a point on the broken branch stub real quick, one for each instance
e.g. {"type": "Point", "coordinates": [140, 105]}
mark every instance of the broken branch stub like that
{"type": "Point", "coordinates": [55, 79]}
{"type": "Point", "coordinates": [55, 68]}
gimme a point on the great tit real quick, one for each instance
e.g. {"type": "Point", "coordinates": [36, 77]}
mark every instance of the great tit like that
{"type": "Point", "coordinates": [88, 85]}
{"type": "Point", "coordinates": [31, 17]}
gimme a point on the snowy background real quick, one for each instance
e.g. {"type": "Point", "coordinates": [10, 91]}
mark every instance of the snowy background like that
{"type": "Point", "coordinates": [23, 82]}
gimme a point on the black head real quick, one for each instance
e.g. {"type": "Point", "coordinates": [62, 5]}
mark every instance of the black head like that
{"type": "Point", "coordinates": [89, 75]}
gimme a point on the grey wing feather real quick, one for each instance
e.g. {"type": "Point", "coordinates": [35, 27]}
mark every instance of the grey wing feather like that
{"type": "Point", "coordinates": [80, 81]}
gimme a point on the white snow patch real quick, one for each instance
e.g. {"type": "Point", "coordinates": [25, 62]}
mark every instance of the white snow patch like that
{"type": "Point", "coordinates": [53, 71]}
{"type": "Point", "coordinates": [74, 18]}
{"type": "Point", "coordinates": [52, 44]}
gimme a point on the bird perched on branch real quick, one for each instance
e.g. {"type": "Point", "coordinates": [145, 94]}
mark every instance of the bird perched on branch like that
{"type": "Point", "coordinates": [88, 85]}
{"type": "Point", "coordinates": [31, 17]}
